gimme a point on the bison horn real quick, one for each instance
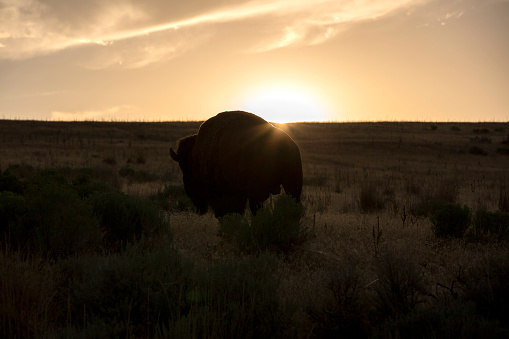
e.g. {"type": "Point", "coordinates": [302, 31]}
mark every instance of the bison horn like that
{"type": "Point", "coordinates": [174, 155]}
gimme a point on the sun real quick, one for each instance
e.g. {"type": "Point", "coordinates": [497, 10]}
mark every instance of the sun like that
{"type": "Point", "coordinates": [285, 103]}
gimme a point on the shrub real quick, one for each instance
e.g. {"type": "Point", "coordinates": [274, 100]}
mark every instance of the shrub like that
{"type": "Point", "coordinates": [173, 198]}
{"type": "Point", "coordinates": [343, 312]}
{"type": "Point", "coordinates": [10, 183]}
{"type": "Point", "coordinates": [491, 224]}
{"type": "Point", "coordinates": [232, 224]}
{"type": "Point", "coordinates": [137, 176]}
{"type": "Point", "coordinates": [59, 221]}
{"type": "Point", "coordinates": [370, 199]}
{"type": "Point", "coordinates": [21, 170]}
{"type": "Point", "coordinates": [444, 319]}
{"type": "Point", "coordinates": [275, 227]}
{"type": "Point", "coordinates": [110, 161]}
{"type": "Point", "coordinates": [124, 218]}
{"type": "Point", "coordinates": [486, 285]}
{"type": "Point", "coordinates": [433, 196]}
{"type": "Point", "coordinates": [123, 296]}
{"type": "Point", "coordinates": [45, 178]}
{"type": "Point", "coordinates": [477, 151]}
{"type": "Point", "coordinates": [85, 186]}
{"type": "Point", "coordinates": [503, 197]}
{"type": "Point", "coordinates": [233, 299]}
{"type": "Point", "coordinates": [503, 150]}
{"type": "Point", "coordinates": [399, 287]}
{"type": "Point", "coordinates": [450, 220]}
{"type": "Point", "coordinates": [13, 209]}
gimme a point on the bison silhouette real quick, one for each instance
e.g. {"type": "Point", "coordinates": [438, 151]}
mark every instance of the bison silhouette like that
{"type": "Point", "coordinates": [235, 157]}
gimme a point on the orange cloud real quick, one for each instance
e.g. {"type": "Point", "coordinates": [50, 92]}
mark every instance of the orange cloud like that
{"type": "Point", "coordinates": [33, 27]}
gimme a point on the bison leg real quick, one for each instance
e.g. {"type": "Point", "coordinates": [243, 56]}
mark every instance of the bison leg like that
{"type": "Point", "coordinates": [254, 206]}
{"type": "Point", "coordinates": [223, 206]}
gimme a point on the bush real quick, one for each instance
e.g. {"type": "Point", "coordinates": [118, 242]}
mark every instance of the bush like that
{"type": "Point", "coordinates": [123, 296]}
{"type": "Point", "coordinates": [85, 186]}
{"type": "Point", "coordinates": [477, 151]}
{"type": "Point", "coordinates": [125, 218]}
{"type": "Point", "coordinates": [13, 209]}
{"type": "Point", "coordinates": [137, 176]}
{"type": "Point", "coordinates": [173, 198]}
{"type": "Point", "coordinates": [21, 171]}
{"type": "Point", "coordinates": [60, 222]}
{"type": "Point", "coordinates": [233, 299]}
{"type": "Point", "coordinates": [275, 227]}
{"type": "Point", "coordinates": [370, 199]}
{"type": "Point", "coordinates": [10, 183]}
{"type": "Point", "coordinates": [399, 287]}
{"type": "Point", "coordinates": [503, 197]}
{"type": "Point", "coordinates": [433, 196]}
{"type": "Point", "coordinates": [450, 220]}
{"type": "Point", "coordinates": [491, 225]}
{"type": "Point", "coordinates": [343, 312]}
{"type": "Point", "coordinates": [444, 319]}
{"type": "Point", "coordinates": [486, 285]}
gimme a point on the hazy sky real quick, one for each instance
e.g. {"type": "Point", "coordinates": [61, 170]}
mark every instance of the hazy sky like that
{"type": "Point", "coordinates": [286, 60]}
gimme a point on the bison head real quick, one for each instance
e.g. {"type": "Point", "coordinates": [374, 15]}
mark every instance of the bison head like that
{"type": "Point", "coordinates": [192, 181]}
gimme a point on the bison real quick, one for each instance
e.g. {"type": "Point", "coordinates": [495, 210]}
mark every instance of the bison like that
{"type": "Point", "coordinates": [237, 157]}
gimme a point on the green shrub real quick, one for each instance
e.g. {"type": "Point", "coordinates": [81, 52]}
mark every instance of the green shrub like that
{"type": "Point", "coordinates": [85, 186]}
{"type": "Point", "coordinates": [124, 218]}
{"type": "Point", "coordinates": [275, 227]}
{"type": "Point", "coordinates": [370, 199]}
{"type": "Point", "coordinates": [485, 284]}
{"type": "Point", "coordinates": [503, 197]}
{"type": "Point", "coordinates": [46, 177]}
{"type": "Point", "coordinates": [13, 209]}
{"type": "Point", "coordinates": [21, 171]}
{"type": "Point", "coordinates": [232, 224]}
{"type": "Point", "coordinates": [10, 183]}
{"type": "Point", "coordinates": [491, 225]}
{"type": "Point", "coordinates": [59, 221]}
{"type": "Point", "coordinates": [444, 319]}
{"type": "Point", "coordinates": [137, 176]}
{"type": "Point", "coordinates": [477, 151]}
{"type": "Point", "coordinates": [233, 299]}
{"type": "Point", "coordinates": [450, 220]}
{"type": "Point", "coordinates": [123, 296]}
{"type": "Point", "coordinates": [173, 198]}
{"type": "Point", "coordinates": [432, 197]}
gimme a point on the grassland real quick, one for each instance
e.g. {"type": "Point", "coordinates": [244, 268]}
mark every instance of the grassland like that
{"type": "Point", "coordinates": [371, 263]}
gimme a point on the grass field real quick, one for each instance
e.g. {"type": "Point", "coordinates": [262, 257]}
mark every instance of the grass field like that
{"type": "Point", "coordinates": [383, 251]}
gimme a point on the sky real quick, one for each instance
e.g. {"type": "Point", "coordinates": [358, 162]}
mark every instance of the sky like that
{"type": "Point", "coordinates": [285, 60]}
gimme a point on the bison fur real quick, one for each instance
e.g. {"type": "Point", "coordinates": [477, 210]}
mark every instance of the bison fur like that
{"type": "Point", "coordinates": [238, 157]}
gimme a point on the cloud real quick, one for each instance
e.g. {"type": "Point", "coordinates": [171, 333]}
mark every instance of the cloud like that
{"type": "Point", "coordinates": [116, 113]}
{"type": "Point", "coordinates": [135, 34]}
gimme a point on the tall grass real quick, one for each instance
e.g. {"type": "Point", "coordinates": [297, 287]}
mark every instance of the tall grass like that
{"type": "Point", "coordinates": [27, 295]}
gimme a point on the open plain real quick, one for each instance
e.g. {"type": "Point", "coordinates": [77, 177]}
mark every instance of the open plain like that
{"type": "Point", "coordinates": [370, 265]}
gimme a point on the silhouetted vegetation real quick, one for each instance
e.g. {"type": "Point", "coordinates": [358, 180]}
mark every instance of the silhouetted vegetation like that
{"type": "Point", "coordinates": [274, 227]}
{"type": "Point", "coordinates": [450, 220]}
{"type": "Point", "coordinates": [401, 233]}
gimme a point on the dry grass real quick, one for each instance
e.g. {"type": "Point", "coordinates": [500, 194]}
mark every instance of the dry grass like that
{"type": "Point", "coordinates": [406, 162]}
